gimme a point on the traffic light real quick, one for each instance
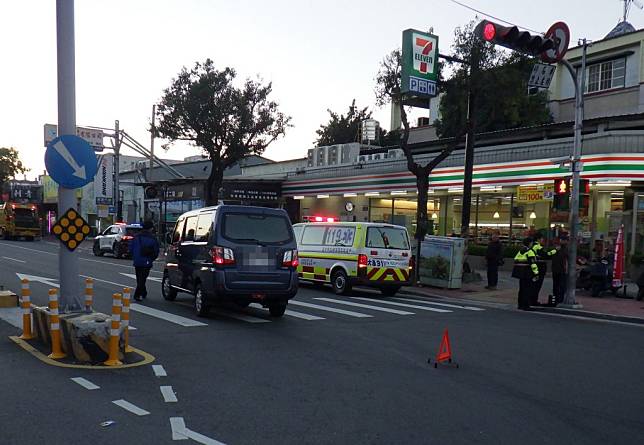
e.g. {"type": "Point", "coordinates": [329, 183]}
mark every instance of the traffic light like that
{"type": "Point", "coordinates": [511, 37]}
{"type": "Point", "coordinates": [584, 197]}
{"type": "Point", "coordinates": [561, 199]}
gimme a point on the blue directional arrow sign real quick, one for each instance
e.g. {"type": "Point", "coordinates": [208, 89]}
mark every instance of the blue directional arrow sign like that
{"type": "Point", "coordinates": [71, 161]}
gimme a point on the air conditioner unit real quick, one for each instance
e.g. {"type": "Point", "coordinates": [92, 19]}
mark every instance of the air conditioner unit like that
{"type": "Point", "coordinates": [349, 152]}
{"type": "Point", "coordinates": [395, 153]}
{"type": "Point", "coordinates": [377, 157]}
{"type": "Point", "coordinates": [332, 154]}
{"type": "Point", "coordinates": [362, 159]}
{"type": "Point", "coordinates": [310, 158]}
{"type": "Point", "coordinates": [320, 156]}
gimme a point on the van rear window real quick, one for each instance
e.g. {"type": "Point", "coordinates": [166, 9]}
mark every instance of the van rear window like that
{"type": "Point", "coordinates": [387, 238]}
{"type": "Point", "coordinates": [257, 228]}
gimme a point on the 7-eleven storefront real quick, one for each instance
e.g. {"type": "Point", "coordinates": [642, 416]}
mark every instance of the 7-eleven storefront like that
{"type": "Point", "coordinates": [512, 198]}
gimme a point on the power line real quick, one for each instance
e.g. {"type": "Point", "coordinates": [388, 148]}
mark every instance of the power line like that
{"type": "Point", "coordinates": [493, 17]}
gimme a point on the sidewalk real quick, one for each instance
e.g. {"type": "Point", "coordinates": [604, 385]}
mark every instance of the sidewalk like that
{"type": "Point", "coordinates": [505, 297]}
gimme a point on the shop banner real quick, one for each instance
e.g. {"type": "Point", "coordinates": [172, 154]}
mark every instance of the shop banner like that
{"type": "Point", "coordinates": [535, 194]}
{"type": "Point", "coordinates": [618, 259]}
{"type": "Point", "coordinates": [50, 190]}
{"type": "Point", "coordinates": [104, 181]}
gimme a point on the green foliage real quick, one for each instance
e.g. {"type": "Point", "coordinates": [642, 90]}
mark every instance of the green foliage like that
{"type": "Point", "coordinates": [500, 89]}
{"type": "Point", "coordinates": [204, 107]}
{"type": "Point", "coordinates": [10, 164]}
{"type": "Point", "coordinates": [342, 129]}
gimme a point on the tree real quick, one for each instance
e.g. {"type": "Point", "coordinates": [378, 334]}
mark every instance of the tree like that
{"type": "Point", "coordinates": [229, 123]}
{"type": "Point", "coordinates": [10, 164]}
{"type": "Point", "coordinates": [500, 89]}
{"type": "Point", "coordinates": [342, 129]}
{"type": "Point", "coordinates": [388, 90]}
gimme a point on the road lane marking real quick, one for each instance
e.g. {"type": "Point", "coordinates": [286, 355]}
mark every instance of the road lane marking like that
{"type": "Point", "coordinates": [167, 316]}
{"type": "Point", "coordinates": [13, 259]}
{"type": "Point", "coordinates": [294, 314]}
{"type": "Point", "coordinates": [178, 426]}
{"type": "Point", "coordinates": [366, 306]}
{"type": "Point", "coordinates": [131, 275]}
{"type": "Point", "coordinates": [242, 317]}
{"type": "Point", "coordinates": [201, 438]}
{"type": "Point", "coordinates": [413, 306]}
{"type": "Point", "coordinates": [330, 309]}
{"type": "Point", "coordinates": [467, 308]}
{"type": "Point", "coordinates": [130, 407]}
{"type": "Point", "coordinates": [85, 383]}
{"type": "Point", "coordinates": [168, 394]}
{"type": "Point", "coordinates": [36, 279]}
{"type": "Point", "coordinates": [159, 371]}
{"type": "Point", "coordinates": [106, 281]}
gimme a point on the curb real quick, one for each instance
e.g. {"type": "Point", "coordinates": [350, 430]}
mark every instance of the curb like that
{"type": "Point", "coordinates": [588, 314]}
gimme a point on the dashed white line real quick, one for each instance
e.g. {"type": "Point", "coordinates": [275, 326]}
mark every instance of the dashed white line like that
{"type": "Point", "coordinates": [130, 407]}
{"type": "Point", "coordinates": [85, 383]}
{"type": "Point", "coordinates": [159, 371]}
{"type": "Point", "coordinates": [168, 394]}
{"type": "Point", "coordinates": [178, 426]}
{"type": "Point", "coordinates": [13, 259]}
{"type": "Point", "coordinates": [201, 438]}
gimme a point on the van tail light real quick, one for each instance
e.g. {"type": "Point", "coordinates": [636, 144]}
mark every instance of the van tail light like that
{"type": "Point", "coordinates": [222, 256]}
{"type": "Point", "coordinates": [412, 263]}
{"type": "Point", "coordinates": [362, 261]}
{"type": "Point", "coordinates": [290, 259]}
{"type": "Point", "coordinates": [127, 238]}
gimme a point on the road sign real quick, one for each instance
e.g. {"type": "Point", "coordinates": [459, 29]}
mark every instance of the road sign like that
{"type": "Point", "coordinates": [419, 64]}
{"type": "Point", "coordinates": [92, 135]}
{"type": "Point", "coordinates": [541, 75]}
{"type": "Point", "coordinates": [70, 161]}
{"type": "Point", "coordinates": [560, 33]}
{"type": "Point", "coordinates": [71, 229]}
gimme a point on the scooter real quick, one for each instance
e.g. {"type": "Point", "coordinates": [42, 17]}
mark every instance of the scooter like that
{"type": "Point", "coordinates": [601, 278]}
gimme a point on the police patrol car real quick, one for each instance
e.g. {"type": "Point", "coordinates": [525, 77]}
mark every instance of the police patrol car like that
{"type": "Point", "coordinates": [344, 254]}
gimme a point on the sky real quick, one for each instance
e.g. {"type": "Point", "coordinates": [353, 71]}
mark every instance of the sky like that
{"type": "Point", "coordinates": [318, 55]}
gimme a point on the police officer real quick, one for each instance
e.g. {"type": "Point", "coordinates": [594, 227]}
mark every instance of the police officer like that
{"type": "Point", "coordinates": [527, 271]}
{"type": "Point", "coordinates": [542, 254]}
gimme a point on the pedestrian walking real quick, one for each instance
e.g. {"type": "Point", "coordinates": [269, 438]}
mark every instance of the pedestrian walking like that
{"type": "Point", "coordinates": [527, 272]}
{"type": "Point", "coordinates": [560, 269]}
{"type": "Point", "coordinates": [144, 249]}
{"type": "Point", "coordinates": [494, 258]}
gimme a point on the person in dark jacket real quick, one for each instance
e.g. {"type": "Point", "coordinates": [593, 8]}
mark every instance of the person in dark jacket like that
{"type": "Point", "coordinates": [559, 269]}
{"type": "Point", "coordinates": [526, 270]}
{"type": "Point", "coordinates": [145, 249]}
{"type": "Point", "coordinates": [494, 258]}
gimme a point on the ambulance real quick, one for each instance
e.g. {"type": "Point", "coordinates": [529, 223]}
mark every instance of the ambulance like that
{"type": "Point", "coordinates": [347, 254]}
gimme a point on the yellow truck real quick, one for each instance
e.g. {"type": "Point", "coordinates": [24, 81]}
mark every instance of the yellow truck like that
{"type": "Point", "coordinates": [19, 220]}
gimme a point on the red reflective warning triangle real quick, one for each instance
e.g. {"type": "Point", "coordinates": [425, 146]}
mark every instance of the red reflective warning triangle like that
{"type": "Point", "coordinates": [444, 351]}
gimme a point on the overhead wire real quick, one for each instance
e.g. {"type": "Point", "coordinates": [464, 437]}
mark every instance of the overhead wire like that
{"type": "Point", "coordinates": [485, 14]}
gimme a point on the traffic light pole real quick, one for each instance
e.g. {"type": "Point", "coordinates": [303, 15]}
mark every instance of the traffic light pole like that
{"type": "Point", "coordinates": [66, 70]}
{"type": "Point", "coordinates": [576, 167]}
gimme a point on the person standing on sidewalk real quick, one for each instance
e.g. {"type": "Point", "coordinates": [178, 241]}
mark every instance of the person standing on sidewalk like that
{"type": "Point", "coordinates": [526, 270]}
{"type": "Point", "coordinates": [494, 258]}
{"type": "Point", "coordinates": [144, 249]}
{"type": "Point", "coordinates": [542, 254]}
{"type": "Point", "coordinates": [559, 269]}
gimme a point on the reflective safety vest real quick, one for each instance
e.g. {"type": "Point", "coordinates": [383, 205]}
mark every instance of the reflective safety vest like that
{"type": "Point", "coordinates": [527, 258]}
{"type": "Point", "coordinates": [540, 252]}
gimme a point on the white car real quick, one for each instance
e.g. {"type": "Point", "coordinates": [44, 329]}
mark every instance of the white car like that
{"type": "Point", "coordinates": [115, 240]}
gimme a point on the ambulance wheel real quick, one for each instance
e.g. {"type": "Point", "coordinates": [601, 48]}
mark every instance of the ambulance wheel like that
{"type": "Point", "coordinates": [340, 282]}
{"type": "Point", "coordinates": [389, 291]}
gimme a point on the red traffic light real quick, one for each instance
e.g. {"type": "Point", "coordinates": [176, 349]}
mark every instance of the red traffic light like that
{"type": "Point", "coordinates": [489, 31]}
{"type": "Point", "coordinates": [561, 186]}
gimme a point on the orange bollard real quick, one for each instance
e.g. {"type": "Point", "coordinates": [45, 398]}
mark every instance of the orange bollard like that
{"type": "Point", "coordinates": [125, 316]}
{"type": "Point", "coordinates": [25, 304]}
{"type": "Point", "coordinates": [54, 325]}
{"type": "Point", "coordinates": [89, 294]}
{"type": "Point", "coordinates": [113, 359]}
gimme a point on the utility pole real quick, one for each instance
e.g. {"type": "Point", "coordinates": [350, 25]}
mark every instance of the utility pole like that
{"type": "Point", "coordinates": [576, 167]}
{"type": "Point", "coordinates": [66, 70]}
{"type": "Point", "coordinates": [117, 168]}
{"type": "Point", "coordinates": [152, 136]}
{"type": "Point", "coordinates": [469, 143]}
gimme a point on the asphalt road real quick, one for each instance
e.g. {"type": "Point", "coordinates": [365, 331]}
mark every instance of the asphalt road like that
{"type": "Point", "coordinates": [319, 376]}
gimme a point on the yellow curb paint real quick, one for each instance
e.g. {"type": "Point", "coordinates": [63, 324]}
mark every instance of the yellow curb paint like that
{"type": "Point", "coordinates": [147, 358]}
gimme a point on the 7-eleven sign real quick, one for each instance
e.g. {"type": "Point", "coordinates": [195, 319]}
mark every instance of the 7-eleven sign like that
{"type": "Point", "coordinates": [419, 63]}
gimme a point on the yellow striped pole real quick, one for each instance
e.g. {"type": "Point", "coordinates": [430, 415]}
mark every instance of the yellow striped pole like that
{"type": "Point", "coordinates": [54, 325]}
{"type": "Point", "coordinates": [89, 294]}
{"type": "Point", "coordinates": [127, 292]}
{"type": "Point", "coordinates": [25, 304]}
{"type": "Point", "coordinates": [113, 359]}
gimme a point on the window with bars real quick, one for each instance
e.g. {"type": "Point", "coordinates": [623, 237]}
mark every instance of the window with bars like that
{"type": "Point", "coordinates": [605, 75]}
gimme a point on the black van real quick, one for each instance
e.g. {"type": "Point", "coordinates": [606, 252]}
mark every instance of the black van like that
{"type": "Point", "coordinates": [241, 254]}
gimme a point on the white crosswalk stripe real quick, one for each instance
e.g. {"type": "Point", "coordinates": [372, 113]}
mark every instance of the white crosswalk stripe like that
{"type": "Point", "coordinates": [239, 316]}
{"type": "Point", "coordinates": [294, 314]}
{"type": "Point", "coordinates": [330, 309]}
{"type": "Point", "coordinates": [366, 306]}
{"type": "Point", "coordinates": [435, 303]}
{"type": "Point", "coordinates": [412, 306]}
